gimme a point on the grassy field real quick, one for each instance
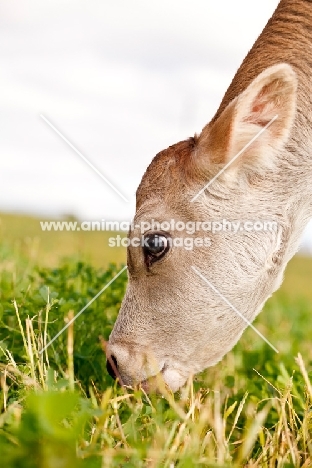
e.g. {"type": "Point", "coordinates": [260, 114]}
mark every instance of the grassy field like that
{"type": "Point", "coordinates": [60, 409]}
{"type": "Point", "coordinates": [48, 248]}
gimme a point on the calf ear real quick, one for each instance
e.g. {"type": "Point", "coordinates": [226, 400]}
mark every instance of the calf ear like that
{"type": "Point", "coordinates": [267, 107]}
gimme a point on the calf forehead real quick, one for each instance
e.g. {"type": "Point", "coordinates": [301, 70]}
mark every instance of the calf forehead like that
{"type": "Point", "coordinates": [167, 171]}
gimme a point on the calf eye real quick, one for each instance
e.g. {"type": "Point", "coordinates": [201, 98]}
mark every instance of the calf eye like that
{"type": "Point", "coordinates": [155, 246]}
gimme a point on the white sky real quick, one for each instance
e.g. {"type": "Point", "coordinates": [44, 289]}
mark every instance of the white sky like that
{"type": "Point", "coordinates": [121, 80]}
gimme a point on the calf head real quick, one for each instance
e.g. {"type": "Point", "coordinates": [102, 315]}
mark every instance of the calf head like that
{"type": "Point", "coordinates": [175, 318]}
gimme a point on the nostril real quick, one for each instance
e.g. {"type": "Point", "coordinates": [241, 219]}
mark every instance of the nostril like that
{"type": "Point", "coordinates": [111, 366]}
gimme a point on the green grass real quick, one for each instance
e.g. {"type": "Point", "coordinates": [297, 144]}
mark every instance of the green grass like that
{"type": "Point", "coordinates": [43, 248]}
{"type": "Point", "coordinates": [61, 409]}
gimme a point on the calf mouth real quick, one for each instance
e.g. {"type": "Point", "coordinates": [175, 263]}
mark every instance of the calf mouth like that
{"type": "Point", "coordinates": [155, 383]}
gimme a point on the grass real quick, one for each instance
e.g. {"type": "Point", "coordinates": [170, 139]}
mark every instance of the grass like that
{"type": "Point", "coordinates": [61, 409]}
{"type": "Point", "coordinates": [43, 248]}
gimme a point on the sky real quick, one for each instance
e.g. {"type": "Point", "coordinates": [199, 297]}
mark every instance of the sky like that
{"type": "Point", "coordinates": [121, 80]}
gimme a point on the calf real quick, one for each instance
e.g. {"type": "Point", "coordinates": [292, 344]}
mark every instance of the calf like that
{"type": "Point", "coordinates": [185, 308]}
